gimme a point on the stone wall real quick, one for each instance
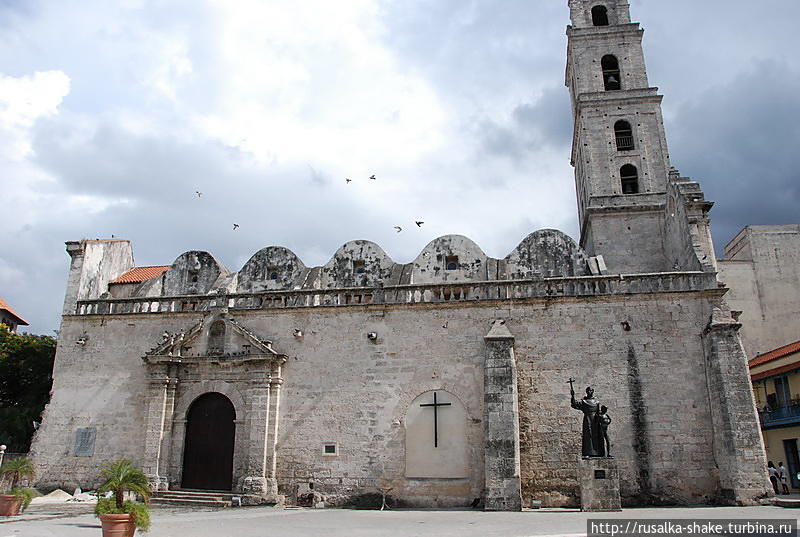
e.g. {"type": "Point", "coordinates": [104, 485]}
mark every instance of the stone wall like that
{"type": "Point", "coordinates": [342, 387]}
{"type": "Point", "coordinates": [762, 270]}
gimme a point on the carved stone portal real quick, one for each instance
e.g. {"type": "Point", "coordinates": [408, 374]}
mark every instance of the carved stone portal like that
{"type": "Point", "coordinates": [216, 355]}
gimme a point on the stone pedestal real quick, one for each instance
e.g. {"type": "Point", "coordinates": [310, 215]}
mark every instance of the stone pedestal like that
{"type": "Point", "coordinates": [599, 481]}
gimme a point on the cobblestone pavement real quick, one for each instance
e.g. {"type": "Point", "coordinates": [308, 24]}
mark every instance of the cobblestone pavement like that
{"type": "Point", "coordinates": [76, 520]}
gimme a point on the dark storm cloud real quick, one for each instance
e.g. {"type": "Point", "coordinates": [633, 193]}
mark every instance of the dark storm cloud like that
{"type": "Point", "coordinates": [542, 125]}
{"type": "Point", "coordinates": [740, 141]}
{"type": "Point", "coordinates": [113, 162]}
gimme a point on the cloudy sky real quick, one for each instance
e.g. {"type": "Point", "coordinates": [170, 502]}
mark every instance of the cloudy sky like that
{"type": "Point", "coordinates": [113, 113]}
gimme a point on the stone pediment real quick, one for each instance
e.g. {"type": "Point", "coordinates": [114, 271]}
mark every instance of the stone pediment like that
{"type": "Point", "coordinates": [219, 337]}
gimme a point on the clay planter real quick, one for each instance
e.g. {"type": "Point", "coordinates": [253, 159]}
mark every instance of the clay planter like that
{"type": "Point", "coordinates": [118, 525]}
{"type": "Point", "coordinates": [9, 505]}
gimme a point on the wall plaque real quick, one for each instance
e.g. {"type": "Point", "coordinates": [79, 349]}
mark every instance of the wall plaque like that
{"type": "Point", "coordinates": [84, 441]}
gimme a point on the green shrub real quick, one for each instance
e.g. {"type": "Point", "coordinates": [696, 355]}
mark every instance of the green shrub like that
{"type": "Point", "coordinates": [139, 511]}
{"type": "Point", "coordinates": [16, 470]}
{"type": "Point", "coordinates": [122, 476]}
{"type": "Point", "coordinates": [24, 494]}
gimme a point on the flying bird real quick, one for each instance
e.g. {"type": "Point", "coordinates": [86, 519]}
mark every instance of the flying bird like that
{"type": "Point", "coordinates": [347, 179]}
{"type": "Point", "coordinates": [372, 177]}
{"type": "Point", "coordinates": [398, 228]}
{"type": "Point", "coordinates": [198, 193]}
{"type": "Point", "coordinates": [235, 226]}
{"type": "Point", "coordinates": [419, 223]}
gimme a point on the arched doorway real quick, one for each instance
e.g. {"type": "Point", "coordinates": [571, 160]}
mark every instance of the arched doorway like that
{"type": "Point", "coordinates": [208, 448]}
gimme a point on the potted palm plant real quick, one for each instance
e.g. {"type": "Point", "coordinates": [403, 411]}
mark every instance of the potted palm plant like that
{"type": "Point", "coordinates": [119, 516]}
{"type": "Point", "coordinates": [16, 499]}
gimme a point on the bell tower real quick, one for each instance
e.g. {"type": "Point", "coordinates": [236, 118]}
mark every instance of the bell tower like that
{"type": "Point", "coordinates": [619, 150]}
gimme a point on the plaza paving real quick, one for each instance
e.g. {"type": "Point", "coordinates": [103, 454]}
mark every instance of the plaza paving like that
{"type": "Point", "coordinates": [73, 520]}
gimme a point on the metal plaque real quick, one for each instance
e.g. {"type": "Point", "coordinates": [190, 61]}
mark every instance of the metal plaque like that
{"type": "Point", "coordinates": [84, 441]}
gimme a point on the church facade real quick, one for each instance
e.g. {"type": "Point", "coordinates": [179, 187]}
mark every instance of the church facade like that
{"type": "Point", "coordinates": [443, 379]}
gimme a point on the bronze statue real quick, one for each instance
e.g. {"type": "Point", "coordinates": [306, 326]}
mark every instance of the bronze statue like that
{"type": "Point", "coordinates": [605, 421]}
{"type": "Point", "coordinates": [592, 444]}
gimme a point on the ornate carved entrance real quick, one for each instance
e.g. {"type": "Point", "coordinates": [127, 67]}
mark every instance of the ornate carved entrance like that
{"type": "Point", "coordinates": [213, 406]}
{"type": "Point", "coordinates": [208, 448]}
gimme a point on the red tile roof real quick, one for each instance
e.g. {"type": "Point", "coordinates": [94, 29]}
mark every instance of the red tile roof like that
{"type": "Point", "coordinates": [774, 354]}
{"type": "Point", "coordinates": [5, 307]}
{"type": "Point", "coordinates": [140, 274]}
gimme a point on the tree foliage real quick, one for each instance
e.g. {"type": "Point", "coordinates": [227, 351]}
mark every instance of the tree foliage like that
{"type": "Point", "coordinates": [26, 376]}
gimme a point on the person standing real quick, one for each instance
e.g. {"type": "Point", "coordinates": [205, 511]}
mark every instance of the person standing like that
{"type": "Point", "coordinates": [783, 475]}
{"type": "Point", "coordinates": [773, 476]}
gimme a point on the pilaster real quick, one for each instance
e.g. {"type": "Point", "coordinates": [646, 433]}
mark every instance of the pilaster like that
{"type": "Point", "coordinates": [501, 418]}
{"type": "Point", "coordinates": [738, 446]}
{"type": "Point", "coordinates": [154, 428]}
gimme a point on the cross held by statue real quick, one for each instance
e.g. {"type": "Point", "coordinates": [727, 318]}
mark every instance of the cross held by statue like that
{"type": "Point", "coordinates": [435, 406]}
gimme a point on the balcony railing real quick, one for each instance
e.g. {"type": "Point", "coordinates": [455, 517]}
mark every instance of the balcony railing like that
{"type": "Point", "coordinates": [669, 282]}
{"type": "Point", "coordinates": [780, 417]}
{"type": "Point", "coordinates": [625, 143]}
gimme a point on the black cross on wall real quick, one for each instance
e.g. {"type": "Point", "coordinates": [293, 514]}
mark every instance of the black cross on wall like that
{"type": "Point", "coordinates": [435, 406]}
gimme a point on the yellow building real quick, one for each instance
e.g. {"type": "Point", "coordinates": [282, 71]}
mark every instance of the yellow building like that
{"type": "Point", "coordinates": [776, 382]}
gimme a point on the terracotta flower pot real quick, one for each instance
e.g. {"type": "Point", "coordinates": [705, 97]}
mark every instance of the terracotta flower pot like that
{"type": "Point", "coordinates": [117, 525]}
{"type": "Point", "coordinates": [9, 505]}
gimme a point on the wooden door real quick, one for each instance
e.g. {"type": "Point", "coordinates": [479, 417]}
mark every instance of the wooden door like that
{"type": "Point", "coordinates": [208, 448]}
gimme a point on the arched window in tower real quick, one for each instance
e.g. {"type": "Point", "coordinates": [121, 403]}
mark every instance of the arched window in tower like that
{"type": "Point", "coordinates": [624, 135]}
{"type": "Point", "coordinates": [216, 338]}
{"type": "Point", "coordinates": [629, 176]}
{"type": "Point", "coordinates": [600, 16]}
{"type": "Point", "coordinates": [611, 76]}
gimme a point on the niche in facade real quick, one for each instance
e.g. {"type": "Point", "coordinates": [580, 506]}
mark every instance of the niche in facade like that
{"type": "Point", "coordinates": [436, 436]}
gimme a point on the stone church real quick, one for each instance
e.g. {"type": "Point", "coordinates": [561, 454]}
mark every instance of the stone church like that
{"type": "Point", "coordinates": [444, 379]}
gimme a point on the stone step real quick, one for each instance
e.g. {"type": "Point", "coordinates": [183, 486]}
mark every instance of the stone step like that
{"type": "Point", "coordinates": [190, 502]}
{"type": "Point", "coordinates": [194, 494]}
{"type": "Point", "coordinates": [792, 503]}
{"type": "Point", "coordinates": [197, 498]}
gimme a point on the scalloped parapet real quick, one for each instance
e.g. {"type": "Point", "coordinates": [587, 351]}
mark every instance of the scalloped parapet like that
{"type": "Point", "coordinates": [271, 268]}
{"type": "Point", "coordinates": [450, 268]}
{"type": "Point", "coordinates": [547, 253]}
{"type": "Point", "coordinates": [192, 273]}
{"type": "Point", "coordinates": [356, 263]}
{"type": "Point", "coordinates": [450, 258]}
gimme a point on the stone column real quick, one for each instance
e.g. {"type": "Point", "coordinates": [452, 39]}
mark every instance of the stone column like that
{"type": "Point", "coordinates": [501, 418]}
{"type": "Point", "coordinates": [258, 422]}
{"type": "Point", "coordinates": [738, 447]}
{"type": "Point", "coordinates": [167, 434]}
{"type": "Point", "coordinates": [176, 458]}
{"type": "Point", "coordinates": [154, 427]}
{"type": "Point", "coordinates": [256, 483]}
{"type": "Point", "coordinates": [275, 401]}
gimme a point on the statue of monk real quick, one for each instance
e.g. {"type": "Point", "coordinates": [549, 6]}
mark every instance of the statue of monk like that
{"type": "Point", "coordinates": [591, 440]}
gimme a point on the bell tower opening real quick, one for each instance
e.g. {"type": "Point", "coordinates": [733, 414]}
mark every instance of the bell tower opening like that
{"type": "Point", "coordinates": [629, 176]}
{"type": "Point", "coordinates": [623, 135]}
{"type": "Point", "coordinates": [611, 76]}
{"type": "Point", "coordinates": [600, 16]}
